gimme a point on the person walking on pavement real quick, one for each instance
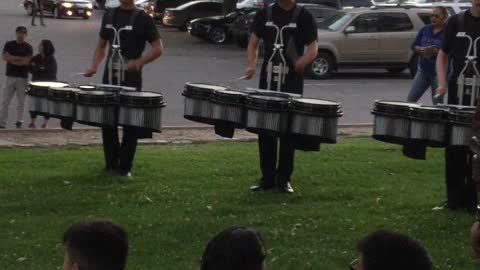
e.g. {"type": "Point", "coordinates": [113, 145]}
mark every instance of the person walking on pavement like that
{"type": "Point", "coordinates": [17, 54]}
{"type": "Point", "coordinates": [426, 45]}
{"type": "Point", "coordinates": [37, 6]}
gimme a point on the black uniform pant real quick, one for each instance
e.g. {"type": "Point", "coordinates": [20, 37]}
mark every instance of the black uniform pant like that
{"type": "Point", "coordinates": [37, 7]}
{"type": "Point", "coordinates": [119, 155]}
{"type": "Point", "coordinates": [461, 189]}
{"type": "Point", "coordinates": [268, 148]}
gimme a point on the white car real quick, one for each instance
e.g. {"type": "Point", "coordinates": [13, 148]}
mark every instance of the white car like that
{"type": "Point", "coordinates": [241, 4]}
{"type": "Point", "coordinates": [453, 7]}
{"type": "Point", "coordinates": [116, 3]}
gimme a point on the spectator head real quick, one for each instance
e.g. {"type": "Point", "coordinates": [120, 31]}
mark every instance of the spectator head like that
{"type": "Point", "coordinates": [46, 48]}
{"type": "Point", "coordinates": [439, 16]}
{"type": "Point", "coordinates": [21, 33]}
{"type": "Point", "coordinates": [236, 248]}
{"type": "Point", "coordinates": [384, 249]}
{"type": "Point", "coordinates": [95, 245]}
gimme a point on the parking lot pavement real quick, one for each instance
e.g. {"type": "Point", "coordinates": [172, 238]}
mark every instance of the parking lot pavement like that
{"type": "Point", "coordinates": [188, 59]}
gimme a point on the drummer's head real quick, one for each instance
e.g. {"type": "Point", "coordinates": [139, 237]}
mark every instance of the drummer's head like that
{"type": "Point", "coordinates": [95, 245]}
{"type": "Point", "coordinates": [21, 33]}
{"type": "Point", "coordinates": [235, 248]}
{"type": "Point", "coordinates": [127, 2]}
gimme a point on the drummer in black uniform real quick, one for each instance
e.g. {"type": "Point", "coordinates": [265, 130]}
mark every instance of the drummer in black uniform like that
{"type": "Point", "coordinates": [299, 49]}
{"type": "Point", "coordinates": [461, 192]}
{"type": "Point", "coordinates": [119, 157]}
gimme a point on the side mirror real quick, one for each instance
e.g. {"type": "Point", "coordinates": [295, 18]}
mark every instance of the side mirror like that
{"type": "Point", "coordinates": [350, 29]}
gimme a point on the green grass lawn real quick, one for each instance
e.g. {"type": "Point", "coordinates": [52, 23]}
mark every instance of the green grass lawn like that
{"type": "Point", "coordinates": [182, 195]}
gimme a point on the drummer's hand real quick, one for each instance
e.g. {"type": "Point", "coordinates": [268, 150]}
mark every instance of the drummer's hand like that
{"type": "Point", "coordinates": [475, 239]}
{"type": "Point", "coordinates": [134, 65]}
{"type": "Point", "coordinates": [90, 72]}
{"type": "Point", "coordinates": [249, 72]}
{"type": "Point", "coordinates": [441, 90]}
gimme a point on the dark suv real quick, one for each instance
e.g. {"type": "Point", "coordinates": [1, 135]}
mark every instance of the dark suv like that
{"type": "Point", "coordinates": [63, 8]}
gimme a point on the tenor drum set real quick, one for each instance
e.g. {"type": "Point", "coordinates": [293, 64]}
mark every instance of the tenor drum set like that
{"type": "Point", "coordinates": [262, 111]}
{"type": "Point", "coordinates": [433, 126]}
{"type": "Point", "coordinates": [98, 105]}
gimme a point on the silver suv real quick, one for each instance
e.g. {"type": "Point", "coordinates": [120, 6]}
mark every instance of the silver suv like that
{"type": "Point", "coordinates": [368, 38]}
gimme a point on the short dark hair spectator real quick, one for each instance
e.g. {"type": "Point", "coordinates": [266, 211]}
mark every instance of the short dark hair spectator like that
{"type": "Point", "coordinates": [48, 47]}
{"type": "Point", "coordinates": [236, 248]}
{"type": "Point", "coordinates": [390, 250]}
{"type": "Point", "coordinates": [97, 245]}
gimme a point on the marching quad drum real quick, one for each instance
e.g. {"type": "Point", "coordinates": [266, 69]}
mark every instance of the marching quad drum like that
{"type": "Point", "coordinates": [267, 114]}
{"type": "Point", "coordinates": [96, 108]}
{"type": "Point", "coordinates": [141, 109]}
{"type": "Point", "coordinates": [429, 125]}
{"type": "Point", "coordinates": [460, 129]}
{"type": "Point", "coordinates": [61, 102]}
{"type": "Point", "coordinates": [199, 101]}
{"type": "Point", "coordinates": [229, 107]}
{"type": "Point", "coordinates": [315, 118]}
{"type": "Point", "coordinates": [392, 121]}
{"type": "Point", "coordinates": [38, 95]}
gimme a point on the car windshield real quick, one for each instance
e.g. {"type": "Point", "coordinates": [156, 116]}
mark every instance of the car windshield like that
{"type": "Point", "coordinates": [335, 22]}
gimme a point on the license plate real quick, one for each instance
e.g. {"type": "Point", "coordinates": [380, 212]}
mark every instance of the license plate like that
{"type": "Point", "coordinates": [81, 11]}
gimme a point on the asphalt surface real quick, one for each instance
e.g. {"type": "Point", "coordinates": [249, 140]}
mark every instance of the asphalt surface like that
{"type": "Point", "coordinates": [188, 59]}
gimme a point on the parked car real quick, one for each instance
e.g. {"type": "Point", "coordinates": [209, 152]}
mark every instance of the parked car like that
{"type": "Point", "coordinates": [181, 16]}
{"type": "Point", "coordinates": [241, 4]}
{"type": "Point", "coordinates": [215, 29]}
{"type": "Point", "coordinates": [240, 28]}
{"type": "Point", "coordinates": [368, 38]}
{"type": "Point", "coordinates": [161, 5]}
{"type": "Point", "coordinates": [453, 7]}
{"type": "Point", "coordinates": [340, 4]}
{"type": "Point", "coordinates": [108, 4]}
{"type": "Point", "coordinates": [63, 8]}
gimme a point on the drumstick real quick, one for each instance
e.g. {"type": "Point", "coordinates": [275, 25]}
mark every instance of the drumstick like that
{"type": "Point", "coordinates": [241, 78]}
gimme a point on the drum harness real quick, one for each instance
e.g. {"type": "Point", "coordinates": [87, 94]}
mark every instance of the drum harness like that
{"type": "Point", "coordinates": [277, 68]}
{"type": "Point", "coordinates": [469, 78]}
{"type": "Point", "coordinates": [117, 64]}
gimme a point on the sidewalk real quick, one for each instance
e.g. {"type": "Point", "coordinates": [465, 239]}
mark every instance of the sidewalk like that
{"type": "Point", "coordinates": [169, 135]}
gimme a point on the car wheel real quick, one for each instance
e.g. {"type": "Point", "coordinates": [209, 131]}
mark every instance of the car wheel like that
{"type": "Point", "coordinates": [186, 25]}
{"type": "Point", "coordinates": [413, 66]}
{"type": "Point", "coordinates": [56, 14]}
{"type": "Point", "coordinates": [29, 9]}
{"type": "Point", "coordinates": [395, 70]}
{"type": "Point", "coordinates": [217, 35]}
{"type": "Point", "coordinates": [322, 67]}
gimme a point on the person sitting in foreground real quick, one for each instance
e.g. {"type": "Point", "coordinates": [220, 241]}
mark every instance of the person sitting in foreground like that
{"type": "Point", "coordinates": [236, 248]}
{"type": "Point", "coordinates": [383, 249]}
{"type": "Point", "coordinates": [95, 245]}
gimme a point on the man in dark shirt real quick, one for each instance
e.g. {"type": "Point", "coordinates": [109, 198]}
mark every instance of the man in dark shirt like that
{"type": "Point", "coordinates": [295, 41]}
{"type": "Point", "coordinates": [17, 54]}
{"type": "Point", "coordinates": [119, 157]}
{"type": "Point", "coordinates": [460, 187]}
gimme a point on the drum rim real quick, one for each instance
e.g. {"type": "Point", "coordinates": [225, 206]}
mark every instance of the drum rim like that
{"type": "Point", "coordinates": [195, 86]}
{"type": "Point", "coordinates": [32, 84]}
{"type": "Point", "coordinates": [137, 94]}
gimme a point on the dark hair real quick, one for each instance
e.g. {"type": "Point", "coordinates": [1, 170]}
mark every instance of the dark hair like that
{"type": "Point", "coordinates": [385, 249]}
{"type": "Point", "coordinates": [48, 48]}
{"type": "Point", "coordinates": [97, 245]}
{"type": "Point", "coordinates": [236, 248]}
{"type": "Point", "coordinates": [443, 10]}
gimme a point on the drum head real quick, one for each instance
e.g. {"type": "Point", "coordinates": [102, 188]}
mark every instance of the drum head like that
{"type": "Point", "coordinates": [44, 84]}
{"type": "Point", "coordinates": [87, 87]}
{"type": "Point", "coordinates": [312, 101]}
{"type": "Point", "coordinates": [319, 107]}
{"type": "Point", "coordinates": [142, 94]}
{"type": "Point", "coordinates": [205, 86]}
{"type": "Point", "coordinates": [393, 108]}
{"type": "Point", "coordinates": [108, 87]}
